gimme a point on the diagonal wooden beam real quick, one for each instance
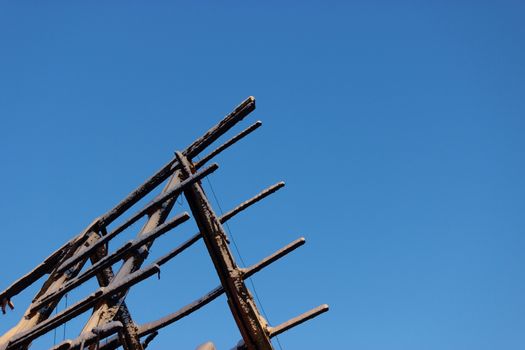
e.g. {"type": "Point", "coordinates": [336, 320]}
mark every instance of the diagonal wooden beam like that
{"type": "Point", "coordinates": [26, 337]}
{"type": "Point", "coordinates": [251, 324]}
{"type": "Point", "coordinates": [152, 327]}
{"type": "Point", "coordinates": [107, 309]}
{"type": "Point", "coordinates": [101, 261]}
{"type": "Point", "coordinates": [55, 280]}
{"type": "Point", "coordinates": [99, 224]}
{"type": "Point", "coordinates": [128, 332]}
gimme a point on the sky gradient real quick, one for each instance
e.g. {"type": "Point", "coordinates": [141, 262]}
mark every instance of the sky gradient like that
{"type": "Point", "coordinates": [398, 128]}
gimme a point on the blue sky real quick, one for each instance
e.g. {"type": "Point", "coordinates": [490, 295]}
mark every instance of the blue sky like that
{"type": "Point", "coordinates": [398, 128]}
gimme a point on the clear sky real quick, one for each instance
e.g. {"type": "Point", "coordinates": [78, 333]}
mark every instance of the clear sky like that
{"type": "Point", "coordinates": [398, 127]}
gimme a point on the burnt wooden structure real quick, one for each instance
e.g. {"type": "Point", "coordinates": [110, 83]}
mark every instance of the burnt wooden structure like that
{"type": "Point", "coordinates": [110, 319]}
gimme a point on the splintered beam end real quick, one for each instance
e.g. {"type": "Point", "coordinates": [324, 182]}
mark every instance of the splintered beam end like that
{"type": "Point", "coordinates": [238, 114]}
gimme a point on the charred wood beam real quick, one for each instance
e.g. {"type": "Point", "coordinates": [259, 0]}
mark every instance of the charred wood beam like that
{"type": "Point", "coordinates": [80, 307]}
{"type": "Point", "coordinates": [153, 327]}
{"type": "Point", "coordinates": [247, 273]}
{"type": "Point", "coordinates": [56, 280]}
{"type": "Point", "coordinates": [50, 262]}
{"type": "Point", "coordinates": [165, 321]}
{"type": "Point", "coordinates": [249, 321]}
{"type": "Point", "coordinates": [191, 151]}
{"type": "Point", "coordinates": [196, 147]}
{"type": "Point", "coordinates": [243, 206]}
{"type": "Point", "coordinates": [275, 331]}
{"type": "Point", "coordinates": [139, 193]}
{"type": "Point", "coordinates": [238, 114]}
{"type": "Point", "coordinates": [153, 205]}
{"type": "Point", "coordinates": [228, 143]}
{"type": "Point", "coordinates": [53, 282]}
{"type": "Point", "coordinates": [106, 310]}
{"type": "Point", "coordinates": [111, 259]}
{"type": "Point", "coordinates": [48, 265]}
{"type": "Point", "coordinates": [28, 279]}
{"type": "Point", "coordinates": [95, 336]}
{"type": "Point", "coordinates": [283, 327]}
{"type": "Point", "coordinates": [159, 215]}
{"type": "Point", "coordinates": [129, 331]}
{"type": "Point", "coordinates": [250, 271]}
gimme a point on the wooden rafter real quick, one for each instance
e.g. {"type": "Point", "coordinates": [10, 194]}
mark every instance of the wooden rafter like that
{"type": "Point", "coordinates": [111, 316]}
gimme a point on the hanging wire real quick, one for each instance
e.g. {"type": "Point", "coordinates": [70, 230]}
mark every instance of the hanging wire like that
{"type": "Point", "coordinates": [55, 330]}
{"type": "Point", "coordinates": [240, 257]}
{"type": "Point", "coordinates": [65, 323]}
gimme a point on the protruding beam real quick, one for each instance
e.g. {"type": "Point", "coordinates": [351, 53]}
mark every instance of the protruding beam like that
{"type": "Point", "coordinates": [244, 310]}
{"type": "Point", "coordinates": [80, 307]}
{"type": "Point", "coordinates": [243, 206]}
{"type": "Point", "coordinates": [228, 143]}
{"type": "Point", "coordinates": [274, 257]}
{"type": "Point", "coordinates": [283, 327]}
{"type": "Point", "coordinates": [128, 334]}
{"type": "Point", "coordinates": [30, 278]}
{"type": "Point", "coordinates": [247, 273]}
{"type": "Point", "coordinates": [139, 193]}
{"type": "Point", "coordinates": [275, 331]}
{"type": "Point", "coordinates": [199, 145]}
{"type": "Point", "coordinates": [174, 252]}
{"type": "Point", "coordinates": [95, 336]}
{"type": "Point", "coordinates": [238, 114]}
{"type": "Point", "coordinates": [135, 217]}
{"type": "Point", "coordinates": [148, 328]}
{"type": "Point", "coordinates": [151, 327]}
{"type": "Point", "coordinates": [110, 260]}
{"type": "Point", "coordinates": [251, 201]}
{"type": "Point", "coordinates": [47, 266]}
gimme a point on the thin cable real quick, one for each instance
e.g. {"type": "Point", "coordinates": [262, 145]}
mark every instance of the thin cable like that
{"type": "Point", "coordinates": [65, 323]}
{"type": "Point", "coordinates": [55, 330]}
{"type": "Point", "coordinates": [240, 258]}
